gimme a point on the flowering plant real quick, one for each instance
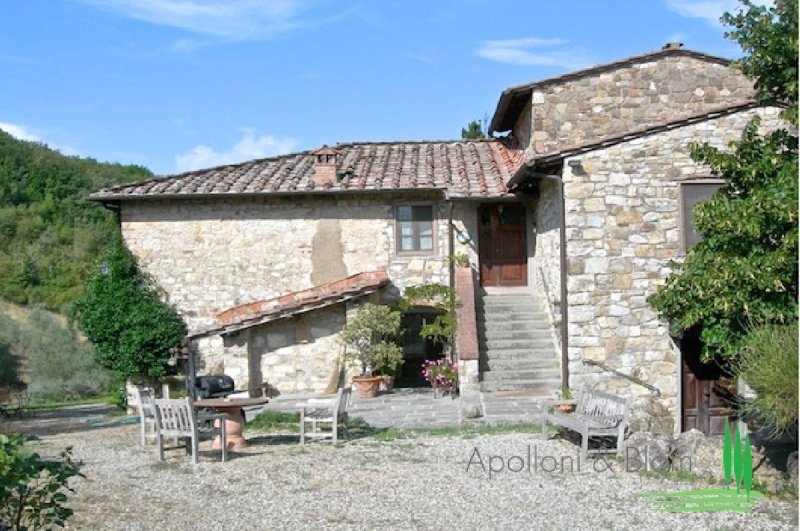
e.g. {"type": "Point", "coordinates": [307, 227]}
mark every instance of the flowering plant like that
{"type": "Point", "coordinates": [441, 373]}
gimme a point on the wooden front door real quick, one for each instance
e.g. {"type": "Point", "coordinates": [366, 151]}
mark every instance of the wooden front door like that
{"type": "Point", "coordinates": [707, 392]}
{"type": "Point", "coordinates": [502, 247]}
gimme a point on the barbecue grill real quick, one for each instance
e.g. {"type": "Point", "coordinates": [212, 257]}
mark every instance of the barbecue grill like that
{"type": "Point", "coordinates": [213, 386]}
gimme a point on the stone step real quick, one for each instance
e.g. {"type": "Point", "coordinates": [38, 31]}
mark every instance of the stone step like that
{"type": "Point", "coordinates": [541, 374]}
{"type": "Point", "coordinates": [505, 299]}
{"type": "Point", "coordinates": [490, 344]}
{"type": "Point", "coordinates": [489, 310]}
{"type": "Point", "coordinates": [528, 318]}
{"type": "Point", "coordinates": [532, 354]}
{"type": "Point", "coordinates": [549, 386]}
{"type": "Point", "coordinates": [537, 334]}
{"type": "Point", "coordinates": [521, 364]}
{"type": "Point", "coordinates": [532, 324]}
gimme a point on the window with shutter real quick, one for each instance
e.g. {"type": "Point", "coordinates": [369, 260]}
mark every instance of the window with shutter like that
{"type": "Point", "coordinates": [414, 228]}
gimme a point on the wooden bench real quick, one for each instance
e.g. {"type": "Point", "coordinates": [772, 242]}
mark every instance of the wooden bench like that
{"type": "Point", "coordinates": [596, 415]}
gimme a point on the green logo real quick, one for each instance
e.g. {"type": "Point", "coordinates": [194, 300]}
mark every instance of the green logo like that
{"type": "Point", "coordinates": [737, 466]}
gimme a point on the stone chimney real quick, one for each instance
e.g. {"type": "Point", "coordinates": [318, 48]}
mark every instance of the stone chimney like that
{"type": "Point", "coordinates": [672, 46]}
{"type": "Point", "coordinates": [324, 166]}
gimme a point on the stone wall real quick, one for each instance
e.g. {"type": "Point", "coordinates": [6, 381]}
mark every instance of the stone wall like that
{"type": "Point", "coordinates": [210, 255]}
{"type": "Point", "coordinates": [633, 96]}
{"type": "Point", "coordinates": [623, 228]}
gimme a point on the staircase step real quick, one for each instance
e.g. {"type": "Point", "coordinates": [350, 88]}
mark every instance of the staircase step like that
{"type": "Point", "coordinates": [536, 335]}
{"type": "Point", "coordinates": [512, 316]}
{"type": "Point", "coordinates": [530, 354]}
{"type": "Point", "coordinates": [549, 385]}
{"type": "Point", "coordinates": [514, 375]}
{"type": "Point", "coordinates": [519, 364]}
{"type": "Point", "coordinates": [500, 344]}
{"type": "Point", "coordinates": [532, 324]}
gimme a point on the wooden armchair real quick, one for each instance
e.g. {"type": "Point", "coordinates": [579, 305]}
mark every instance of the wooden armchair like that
{"type": "Point", "coordinates": [331, 411]}
{"type": "Point", "coordinates": [177, 418]}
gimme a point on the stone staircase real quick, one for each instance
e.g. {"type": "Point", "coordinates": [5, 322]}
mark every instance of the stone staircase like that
{"type": "Point", "coordinates": [517, 353]}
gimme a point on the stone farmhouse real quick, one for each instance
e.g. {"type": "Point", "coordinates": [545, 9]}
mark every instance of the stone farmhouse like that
{"type": "Point", "coordinates": [568, 218]}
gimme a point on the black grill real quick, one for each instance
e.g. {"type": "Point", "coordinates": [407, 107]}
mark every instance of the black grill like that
{"type": "Point", "coordinates": [213, 386]}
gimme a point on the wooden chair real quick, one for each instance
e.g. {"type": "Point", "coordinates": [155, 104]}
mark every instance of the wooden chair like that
{"type": "Point", "coordinates": [177, 418]}
{"type": "Point", "coordinates": [331, 411]}
{"type": "Point", "coordinates": [596, 415]}
{"type": "Point", "coordinates": [144, 398]}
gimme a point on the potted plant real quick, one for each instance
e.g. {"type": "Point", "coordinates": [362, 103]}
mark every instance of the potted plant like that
{"type": "Point", "coordinates": [367, 338]}
{"type": "Point", "coordinates": [442, 374]}
{"type": "Point", "coordinates": [565, 394]}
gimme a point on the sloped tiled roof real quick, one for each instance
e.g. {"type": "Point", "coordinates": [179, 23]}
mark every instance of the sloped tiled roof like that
{"type": "Point", "coordinates": [260, 312]}
{"type": "Point", "coordinates": [462, 169]}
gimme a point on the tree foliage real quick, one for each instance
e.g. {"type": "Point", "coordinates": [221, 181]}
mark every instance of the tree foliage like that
{"type": "Point", "coordinates": [32, 489]}
{"type": "Point", "coordinates": [123, 314]}
{"type": "Point", "coordinates": [768, 36]}
{"type": "Point", "coordinates": [744, 272]}
{"type": "Point", "coordinates": [474, 130]}
{"type": "Point", "coordinates": [50, 234]}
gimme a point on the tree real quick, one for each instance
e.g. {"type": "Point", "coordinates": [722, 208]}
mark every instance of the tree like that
{"type": "Point", "coordinates": [123, 315]}
{"type": "Point", "coordinates": [474, 130]}
{"type": "Point", "coordinates": [744, 272]}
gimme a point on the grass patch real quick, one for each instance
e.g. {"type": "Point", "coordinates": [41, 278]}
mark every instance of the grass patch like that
{"type": "Point", "coordinates": [275, 421]}
{"type": "Point", "coordinates": [279, 421]}
{"type": "Point", "coordinates": [42, 405]}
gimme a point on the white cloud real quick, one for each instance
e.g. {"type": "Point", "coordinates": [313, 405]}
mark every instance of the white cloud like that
{"type": "Point", "coordinates": [708, 10]}
{"type": "Point", "coordinates": [229, 19]}
{"type": "Point", "coordinates": [527, 52]}
{"type": "Point", "coordinates": [20, 132]}
{"type": "Point", "coordinates": [250, 146]}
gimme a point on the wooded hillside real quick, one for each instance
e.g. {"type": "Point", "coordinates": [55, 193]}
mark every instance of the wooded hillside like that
{"type": "Point", "coordinates": [50, 235]}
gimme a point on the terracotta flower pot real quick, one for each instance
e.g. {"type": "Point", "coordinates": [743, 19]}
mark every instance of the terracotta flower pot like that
{"type": "Point", "coordinates": [565, 408]}
{"type": "Point", "coordinates": [367, 387]}
{"type": "Point", "coordinates": [387, 384]}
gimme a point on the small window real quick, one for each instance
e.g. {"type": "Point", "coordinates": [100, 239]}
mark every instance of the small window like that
{"type": "Point", "coordinates": [414, 228]}
{"type": "Point", "coordinates": [693, 194]}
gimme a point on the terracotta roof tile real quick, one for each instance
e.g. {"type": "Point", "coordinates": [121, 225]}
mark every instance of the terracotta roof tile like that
{"type": "Point", "coordinates": [465, 168]}
{"type": "Point", "coordinates": [293, 303]}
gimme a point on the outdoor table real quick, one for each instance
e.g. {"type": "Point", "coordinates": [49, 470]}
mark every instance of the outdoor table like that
{"type": "Point", "coordinates": [235, 422]}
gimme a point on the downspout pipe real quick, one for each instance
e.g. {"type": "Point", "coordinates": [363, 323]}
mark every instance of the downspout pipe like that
{"type": "Point", "coordinates": [562, 236]}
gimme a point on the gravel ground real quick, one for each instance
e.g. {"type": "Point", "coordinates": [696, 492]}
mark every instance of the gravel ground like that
{"type": "Point", "coordinates": [419, 483]}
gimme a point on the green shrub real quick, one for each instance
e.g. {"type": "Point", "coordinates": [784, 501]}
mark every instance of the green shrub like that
{"type": "Point", "coordinates": [32, 488]}
{"type": "Point", "coordinates": [124, 316]}
{"type": "Point", "coordinates": [369, 338]}
{"type": "Point", "coordinates": [768, 364]}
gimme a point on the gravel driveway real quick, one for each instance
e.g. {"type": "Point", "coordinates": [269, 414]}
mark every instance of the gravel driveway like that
{"type": "Point", "coordinates": [425, 482]}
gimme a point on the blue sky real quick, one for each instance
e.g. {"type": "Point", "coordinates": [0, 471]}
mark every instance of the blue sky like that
{"type": "Point", "coordinates": [182, 84]}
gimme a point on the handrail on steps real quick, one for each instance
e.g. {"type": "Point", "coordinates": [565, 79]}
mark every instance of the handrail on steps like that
{"type": "Point", "coordinates": [633, 379]}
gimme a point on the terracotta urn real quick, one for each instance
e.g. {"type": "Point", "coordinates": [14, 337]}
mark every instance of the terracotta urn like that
{"type": "Point", "coordinates": [367, 386]}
